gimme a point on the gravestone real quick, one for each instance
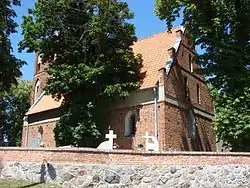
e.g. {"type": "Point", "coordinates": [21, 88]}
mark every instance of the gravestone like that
{"type": "Point", "coordinates": [108, 144]}
{"type": "Point", "coordinates": [152, 145]}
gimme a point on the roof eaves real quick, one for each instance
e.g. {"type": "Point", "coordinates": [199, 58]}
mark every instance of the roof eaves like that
{"type": "Point", "coordinates": [36, 101]}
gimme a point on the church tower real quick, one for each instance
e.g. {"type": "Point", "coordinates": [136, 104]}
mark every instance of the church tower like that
{"type": "Point", "coordinates": [40, 78]}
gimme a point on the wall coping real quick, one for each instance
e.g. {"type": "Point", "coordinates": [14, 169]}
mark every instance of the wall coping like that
{"type": "Point", "coordinates": [130, 152]}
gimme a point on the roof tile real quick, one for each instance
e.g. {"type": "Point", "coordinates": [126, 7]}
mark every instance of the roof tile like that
{"type": "Point", "coordinates": [154, 51]}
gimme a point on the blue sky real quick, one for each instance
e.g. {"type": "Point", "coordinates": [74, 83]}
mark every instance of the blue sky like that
{"type": "Point", "coordinates": [145, 21]}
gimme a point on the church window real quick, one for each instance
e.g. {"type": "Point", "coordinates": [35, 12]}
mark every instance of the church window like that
{"type": "Point", "coordinates": [37, 88]}
{"type": "Point", "coordinates": [198, 93]}
{"type": "Point", "coordinates": [40, 135]}
{"type": "Point", "coordinates": [191, 124]}
{"type": "Point", "coordinates": [130, 124]}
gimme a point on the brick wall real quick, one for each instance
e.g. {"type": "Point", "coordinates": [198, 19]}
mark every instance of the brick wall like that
{"type": "Point", "coordinates": [144, 122]}
{"type": "Point", "coordinates": [48, 133]}
{"type": "Point", "coordinates": [123, 157]}
{"type": "Point", "coordinates": [41, 75]}
{"type": "Point", "coordinates": [177, 136]}
{"type": "Point", "coordinates": [83, 167]}
{"type": "Point", "coordinates": [193, 78]}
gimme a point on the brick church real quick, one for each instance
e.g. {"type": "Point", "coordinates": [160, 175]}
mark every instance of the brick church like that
{"type": "Point", "coordinates": [173, 103]}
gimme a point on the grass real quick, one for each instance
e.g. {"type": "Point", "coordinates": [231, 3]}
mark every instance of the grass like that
{"type": "Point", "coordinates": [24, 184]}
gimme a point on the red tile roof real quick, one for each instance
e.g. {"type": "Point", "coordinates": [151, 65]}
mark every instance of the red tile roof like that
{"type": "Point", "coordinates": [154, 51]}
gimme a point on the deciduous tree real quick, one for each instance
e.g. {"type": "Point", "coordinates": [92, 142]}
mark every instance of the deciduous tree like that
{"type": "Point", "coordinates": [88, 46]}
{"type": "Point", "coordinates": [232, 121]}
{"type": "Point", "coordinates": [9, 64]}
{"type": "Point", "coordinates": [222, 29]}
{"type": "Point", "coordinates": [14, 104]}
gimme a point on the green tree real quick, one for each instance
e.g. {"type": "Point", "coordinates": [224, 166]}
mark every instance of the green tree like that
{"type": "Point", "coordinates": [9, 64]}
{"type": "Point", "coordinates": [14, 104]}
{"type": "Point", "coordinates": [232, 121]}
{"type": "Point", "coordinates": [88, 45]}
{"type": "Point", "coordinates": [222, 29]}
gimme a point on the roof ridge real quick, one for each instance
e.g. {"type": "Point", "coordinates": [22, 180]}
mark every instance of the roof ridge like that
{"type": "Point", "coordinates": [156, 34]}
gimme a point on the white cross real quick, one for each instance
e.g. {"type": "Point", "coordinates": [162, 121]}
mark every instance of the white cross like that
{"type": "Point", "coordinates": [147, 137]}
{"type": "Point", "coordinates": [151, 146]}
{"type": "Point", "coordinates": [111, 136]}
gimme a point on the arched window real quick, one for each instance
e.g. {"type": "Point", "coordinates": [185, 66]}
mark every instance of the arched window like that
{"type": "Point", "coordinates": [38, 64]}
{"type": "Point", "coordinates": [130, 124]}
{"type": "Point", "coordinates": [40, 135]}
{"type": "Point", "coordinates": [37, 88]}
{"type": "Point", "coordinates": [191, 124]}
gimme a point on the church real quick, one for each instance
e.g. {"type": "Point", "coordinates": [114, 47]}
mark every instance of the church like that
{"type": "Point", "coordinates": [173, 103]}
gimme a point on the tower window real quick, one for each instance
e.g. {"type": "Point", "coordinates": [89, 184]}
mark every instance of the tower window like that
{"type": "Point", "coordinates": [198, 93]}
{"type": "Point", "coordinates": [38, 64]}
{"type": "Point", "coordinates": [37, 89]}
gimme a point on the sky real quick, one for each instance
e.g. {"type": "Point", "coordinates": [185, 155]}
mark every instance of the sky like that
{"type": "Point", "coordinates": [146, 23]}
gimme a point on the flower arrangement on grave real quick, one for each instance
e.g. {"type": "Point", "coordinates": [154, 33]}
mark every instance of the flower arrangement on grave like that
{"type": "Point", "coordinates": [42, 144]}
{"type": "Point", "coordinates": [115, 146]}
{"type": "Point", "coordinates": [139, 147]}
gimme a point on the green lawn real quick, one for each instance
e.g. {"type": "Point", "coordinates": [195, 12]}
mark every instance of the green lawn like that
{"type": "Point", "coordinates": [24, 184]}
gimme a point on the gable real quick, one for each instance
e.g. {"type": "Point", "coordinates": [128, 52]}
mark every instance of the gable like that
{"type": "Point", "coordinates": [155, 55]}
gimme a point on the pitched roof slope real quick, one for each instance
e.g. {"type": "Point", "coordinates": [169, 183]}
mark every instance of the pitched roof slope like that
{"type": "Point", "coordinates": [45, 103]}
{"type": "Point", "coordinates": [154, 51]}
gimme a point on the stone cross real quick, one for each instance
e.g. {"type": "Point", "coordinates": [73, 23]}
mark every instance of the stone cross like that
{"type": "Point", "coordinates": [151, 146]}
{"type": "Point", "coordinates": [111, 137]}
{"type": "Point", "coordinates": [147, 137]}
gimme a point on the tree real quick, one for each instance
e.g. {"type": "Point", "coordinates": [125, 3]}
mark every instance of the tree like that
{"type": "Point", "coordinates": [9, 64]}
{"type": "Point", "coordinates": [232, 121]}
{"type": "Point", "coordinates": [14, 104]}
{"type": "Point", "coordinates": [88, 47]}
{"type": "Point", "coordinates": [222, 29]}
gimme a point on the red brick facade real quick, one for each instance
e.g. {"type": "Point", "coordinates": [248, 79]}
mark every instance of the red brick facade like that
{"type": "Point", "coordinates": [47, 136]}
{"type": "Point", "coordinates": [172, 113]}
{"type": "Point", "coordinates": [120, 157]}
{"type": "Point", "coordinates": [39, 75]}
{"type": "Point", "coordinates": [180, 92]}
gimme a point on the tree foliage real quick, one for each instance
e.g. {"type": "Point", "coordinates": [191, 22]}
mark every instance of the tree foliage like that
{"type": "Point", "coordinates": [13, 105]}
{"type": "Point", "coordinates": [88, 47]}
{"type": "Point", "coordinates": [222, 29]}
{"type": "Point", "coordinates": [232, 121]}
{"type": "Point", "coordinates": [9, 64]}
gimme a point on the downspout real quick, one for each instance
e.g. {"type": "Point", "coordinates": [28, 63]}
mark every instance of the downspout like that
{"type": "Point", "coordinates": [156, 110]}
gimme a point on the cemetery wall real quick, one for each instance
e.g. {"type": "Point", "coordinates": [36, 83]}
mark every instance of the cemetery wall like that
{"type": "Point", "coordinates": [86, 167]}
